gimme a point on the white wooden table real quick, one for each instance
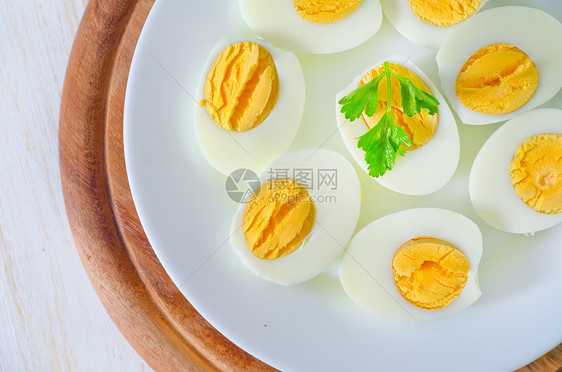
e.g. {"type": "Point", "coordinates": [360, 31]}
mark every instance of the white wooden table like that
{"type": "Point", "coordinates": [50, 316]}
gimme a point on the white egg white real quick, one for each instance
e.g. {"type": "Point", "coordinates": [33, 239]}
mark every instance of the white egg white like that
{"type": "Point", "coordinates": [421, 171]}
{"type": "Point", "coordinates": [337, 211]}
{"type": "Point", "coordinates": [491, 190]}
{"type": "Point", "coordinates": [408, 24]}
{"type": "Point", "coordinates": [254, 149]}
{"type": "Point", "coordinates": [534, 31]}
{"type": "Point", "coordinates": [366, 269]}
{"type": "Point", "coordinates": [278, 22]}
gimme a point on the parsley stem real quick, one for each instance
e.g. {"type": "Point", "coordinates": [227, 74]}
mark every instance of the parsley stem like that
{"type": "Point", "coordinates": [387, 72]}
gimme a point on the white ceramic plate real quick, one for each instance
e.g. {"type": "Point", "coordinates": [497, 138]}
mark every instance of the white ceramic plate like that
{"type": "Point", "coordinates": [186, 214]}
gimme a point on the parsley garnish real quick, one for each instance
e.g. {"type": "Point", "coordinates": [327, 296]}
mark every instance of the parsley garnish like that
{"type": "Point", "coordinates": [383, 141]}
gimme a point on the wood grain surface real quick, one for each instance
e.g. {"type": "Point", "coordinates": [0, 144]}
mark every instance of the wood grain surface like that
{"type": "Point", "coordinates": [138, 294]}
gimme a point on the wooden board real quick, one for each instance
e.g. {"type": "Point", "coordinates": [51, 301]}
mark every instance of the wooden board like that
{"type": "Point", "coordinates": [133, 286]}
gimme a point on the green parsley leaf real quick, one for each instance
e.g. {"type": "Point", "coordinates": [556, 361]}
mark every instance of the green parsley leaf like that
{"type": "Point", "coordinates": [381, 145]}
{"type": "Point", "coordinates": [383, 142]}
{"type": "Point", "coordinates": [414, 99]}
{"type": "Point", "coordinates": [365, 98]}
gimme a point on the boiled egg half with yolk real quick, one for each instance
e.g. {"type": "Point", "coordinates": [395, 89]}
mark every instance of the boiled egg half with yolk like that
{"type": "Point", "coordinates": [429, 22]}
{"type": "Point", "coordinates": [500, 63]}
{"type": "Point", "coordinates": [516, 180]}
{"type": "Point", "coordinates": [252, 101]}
{"type": "Point", "coordinates": [313, 26]}
{"type": "Point", "coordinates": [432, 159]}
{"type": "Point", "coordinates": [301, 219]}
{"type": "Point", "coordinates": [414, 265]}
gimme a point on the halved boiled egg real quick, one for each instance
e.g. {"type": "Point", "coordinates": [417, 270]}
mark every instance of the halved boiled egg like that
{"type": "Point", "coordinates": [414, 265]}
{"type": "Point", "coordinates": [432, 160]}
{"type": "Point", "coordinates": [313, 26]}
{"type": "Point", "coordinates": [500, 63]}
{"type": "Point", "coordinates": [252, 101]}
{"type": "Point", "coordinates": [516, 180]}
{"type": "Point", "coordinates": [301, 218]}
{"type": "Point", "coordinates": [429, 22]}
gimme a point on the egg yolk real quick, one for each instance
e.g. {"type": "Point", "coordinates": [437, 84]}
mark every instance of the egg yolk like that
{"type": "Point", "coordinates": [325, 11]}
{"type": "Point", "coordinates": [278, 220]}
{"type": "Point", "coordinates": [421, 127]}
{"type": "Point", "coordinates": [444, 13]}
{"type": "Point", "coordinates": [536, 173]}
{"type": "Point", "coordinates": [497, 79]}
{"type": "Point", "coordinates": [429, 272]}
{"type": "Point", "coordinates": [241, 87]}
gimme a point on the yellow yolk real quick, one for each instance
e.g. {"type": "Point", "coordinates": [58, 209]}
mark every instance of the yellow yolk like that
{"type": "Point", "coordinates": [325, 11]}
{"type": "Point", "coordinates": [420, 127]}
{"type": "Point", "coordinates": [241, 87]}
{"type": "Point", "coordinates": [498, 79]}
{"type": "Point", "coordinates": [444, 13]}
{"type": "Point", "coordinates": [277, 221]}
{"type": "Point", "coordinates": [536, 173]}
{"type": "Point", "coordinates": [429, 273]}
